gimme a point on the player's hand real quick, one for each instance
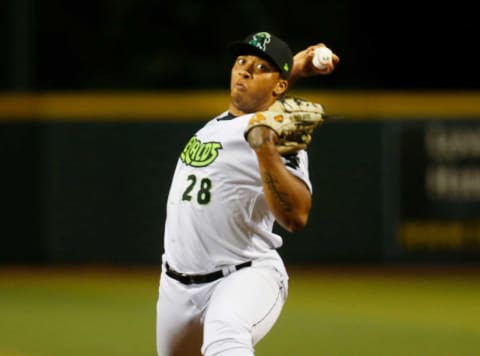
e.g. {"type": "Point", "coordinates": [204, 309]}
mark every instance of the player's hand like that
{"type": "Point", "coordinates": [303, 66]}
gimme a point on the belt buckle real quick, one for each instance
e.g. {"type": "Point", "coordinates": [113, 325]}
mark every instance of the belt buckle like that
{"type": "Point", "coordinates": [188, 278]}
{"type": "Point", "coordinates": [228, 270]}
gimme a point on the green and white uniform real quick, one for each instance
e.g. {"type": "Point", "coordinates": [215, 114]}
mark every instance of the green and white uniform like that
{"type": "Point", "coordinates": [217, 217]}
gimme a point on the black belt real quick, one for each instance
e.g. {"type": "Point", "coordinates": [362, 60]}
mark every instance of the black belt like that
{"type": "Point", "coordinates": [201, 278]}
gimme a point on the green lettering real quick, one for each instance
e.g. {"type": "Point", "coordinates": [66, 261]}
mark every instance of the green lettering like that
{"type": "Point", "coordinates": [198, 154]}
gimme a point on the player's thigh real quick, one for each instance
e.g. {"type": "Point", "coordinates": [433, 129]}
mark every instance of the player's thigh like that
{"type": "Point", "coordinates": [178, 329]}
{"type": "Point", "coordinates": [244, 307]}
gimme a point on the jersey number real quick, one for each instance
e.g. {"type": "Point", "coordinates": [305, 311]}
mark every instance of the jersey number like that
{"type": "Point", "coordinates": [203, 194]}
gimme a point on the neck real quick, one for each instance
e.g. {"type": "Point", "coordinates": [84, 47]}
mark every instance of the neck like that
{"type": "Point", "coordinates": [235, 111]}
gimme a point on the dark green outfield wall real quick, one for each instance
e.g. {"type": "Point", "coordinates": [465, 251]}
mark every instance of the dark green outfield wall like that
{"type": "Point", "coordinates": [95, 192]}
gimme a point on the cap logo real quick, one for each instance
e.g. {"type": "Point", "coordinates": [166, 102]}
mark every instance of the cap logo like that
{"type": "Point", "coordinates": [260, 40]}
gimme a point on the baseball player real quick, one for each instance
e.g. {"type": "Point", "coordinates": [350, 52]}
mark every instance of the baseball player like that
{"type": "Point", "coordinates": [223, 284]}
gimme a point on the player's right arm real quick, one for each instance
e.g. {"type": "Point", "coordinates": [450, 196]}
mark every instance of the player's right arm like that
{"type": "Point", "coordinates": [303, 67]}
{"type": "Point", "coordinates": [287, 196]}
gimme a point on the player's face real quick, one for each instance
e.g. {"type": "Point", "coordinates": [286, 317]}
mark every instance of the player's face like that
{"type": "Point", "coordinates": [254, 85]}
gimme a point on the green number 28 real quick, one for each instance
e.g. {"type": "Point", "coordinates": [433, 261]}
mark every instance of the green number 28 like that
{"type": "Point", "coordinates": [203, 193]}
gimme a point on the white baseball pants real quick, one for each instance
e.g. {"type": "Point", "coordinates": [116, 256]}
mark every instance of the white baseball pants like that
{"type": "Point", "coordinates": [226, 317]}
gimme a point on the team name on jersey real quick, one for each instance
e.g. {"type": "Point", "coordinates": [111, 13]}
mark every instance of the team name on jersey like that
{"type": "Point", "coordinates": [200, 154]}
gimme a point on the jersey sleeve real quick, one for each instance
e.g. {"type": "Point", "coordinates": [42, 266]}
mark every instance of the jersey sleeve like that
{"type": "Point", "coordinates": [297, 164]}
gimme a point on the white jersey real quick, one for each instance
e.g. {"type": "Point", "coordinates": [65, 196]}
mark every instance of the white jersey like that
{"type": "Point", "coordinates": [217, 214]}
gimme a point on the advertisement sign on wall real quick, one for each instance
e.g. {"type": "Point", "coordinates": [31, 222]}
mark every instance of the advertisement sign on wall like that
{"type": "Point", "coordinates": [439, 187]}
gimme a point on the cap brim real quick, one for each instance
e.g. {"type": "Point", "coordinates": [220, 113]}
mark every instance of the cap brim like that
{"type": "Point", "coordinates": [241, 48]}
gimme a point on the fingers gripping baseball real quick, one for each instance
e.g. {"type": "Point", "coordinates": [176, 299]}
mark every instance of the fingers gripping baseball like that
{"type": "Point", "coordinates": [292, 119]}
{"type": "Point", "coordinates": [314, 60]}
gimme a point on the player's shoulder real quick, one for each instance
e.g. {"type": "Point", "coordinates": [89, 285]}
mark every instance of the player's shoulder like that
{"type": "Point", "coordinates": [227, 116]}
{"type": "Point", "coordinates": [226, 119]}
{"type": "Point", "coordinates": [224, 125]}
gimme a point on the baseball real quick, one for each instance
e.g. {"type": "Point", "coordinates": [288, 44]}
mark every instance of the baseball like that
{"type": "Point", "coordinates": [322, 57]}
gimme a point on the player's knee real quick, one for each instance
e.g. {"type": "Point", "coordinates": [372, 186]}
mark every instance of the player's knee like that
{"type": "Point", "coordinates": [227, 348]}
{"type": "Point", "coordinates": [223, 339]}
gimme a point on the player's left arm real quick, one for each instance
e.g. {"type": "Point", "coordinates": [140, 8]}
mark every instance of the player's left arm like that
{"type": "Point", "coordinates": [303, 66]}
{"type": "Point", "coordinates": [287, 196]}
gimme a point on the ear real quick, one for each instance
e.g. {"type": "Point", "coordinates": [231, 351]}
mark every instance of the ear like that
{"type": "Point", "coordinates": [281, 87]}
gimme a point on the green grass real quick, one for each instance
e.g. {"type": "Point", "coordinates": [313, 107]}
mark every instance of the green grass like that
{"type": "Point", "coordinates": [51, 312]}
{"type": "Point", "coordinates": [370, 313]}
{"type": "Point", "coordinates": [89, 312]}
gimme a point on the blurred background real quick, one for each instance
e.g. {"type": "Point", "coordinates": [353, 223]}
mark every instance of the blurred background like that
{"type": "Point", "coordinates": [155, 45]}
{"type": "Point", "coordinates": [98, 98]}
